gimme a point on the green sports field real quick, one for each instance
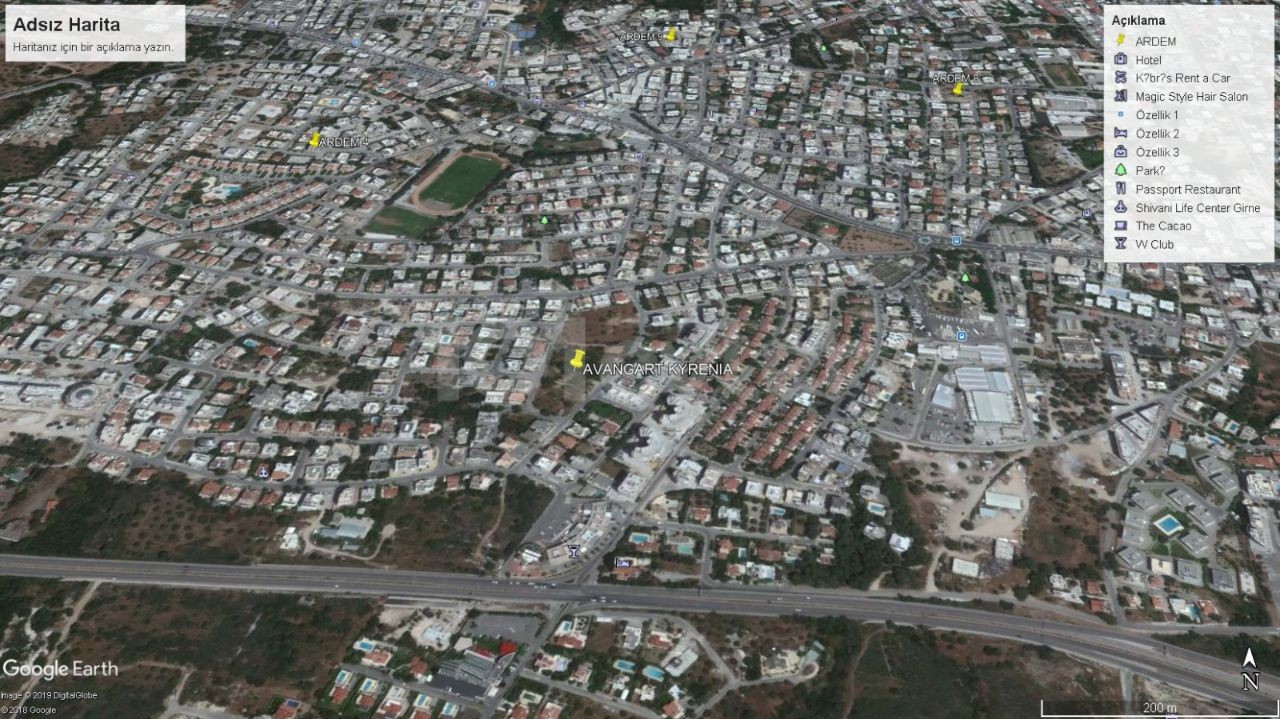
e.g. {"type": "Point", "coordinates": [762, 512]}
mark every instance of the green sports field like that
{"type": "Point", "coordinates": [461, 181]}
{"type": "Point", "coordinates": [399, 221]}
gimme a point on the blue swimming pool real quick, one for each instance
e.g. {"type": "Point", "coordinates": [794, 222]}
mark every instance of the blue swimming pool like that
{"type": "Point", "coordinates": [1169, 524]}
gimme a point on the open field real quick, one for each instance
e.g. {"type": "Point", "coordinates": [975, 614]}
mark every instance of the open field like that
{"type": "Point", "coordinates": [616, 324]}
{"type": "Point", "coordinates": [904, 672]}
{"type": "Point", "coordinates": [98, 517]}
{"type": "Point", "coordinates": [604, 334]}
{"type": "Point", "coordinates": [15, 76]}
{"type": "Point", "coordinates": [404, 223]}
{"type": "Point", "coordinates": [1259, 400]}
{"type": "Point", "coordinates": [165, 520]}
{"type": "Point", "coordinates": [847, 237]}
{"type": "Point", "coordinates": [1062, 74]}
{"type": "Point", "coordinates": [1051, 162]}
{"type": "Point", "coordinates": [549, 144]}
{"type": "Point", "coordinates": [1077, 395]}
{"type": "Point", "coordinates": [241, 649]}
{"type": "Point", "coordinates": [456, 182]}
{"type": "Point", "coordinates": [443, 531]}
{"type": "Point", "coordinates": [893, 672]}
{"type": "Point", "coordinates": [1064, 521]}
{"type": "Point", "coordinates": [138, 693]}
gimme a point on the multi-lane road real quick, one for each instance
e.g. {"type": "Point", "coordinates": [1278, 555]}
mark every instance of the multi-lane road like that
{"type": "Point", "coordinates": [1118, 647]}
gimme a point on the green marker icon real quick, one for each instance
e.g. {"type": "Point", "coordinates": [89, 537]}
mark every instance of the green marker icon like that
{"type": "Point", "coordinates": [1120, 169]}
{"type": "Point", "coordinates": [965, 277]}
{"type": "Point", "coordinates": [544, 220]}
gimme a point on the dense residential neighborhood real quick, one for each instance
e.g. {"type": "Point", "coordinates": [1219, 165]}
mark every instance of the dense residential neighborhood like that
{"type": "Point", "coordinates": [569, 360]}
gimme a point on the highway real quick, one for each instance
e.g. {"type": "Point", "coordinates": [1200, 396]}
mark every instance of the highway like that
{"type": "Point", "coordinates": [1118, 647]}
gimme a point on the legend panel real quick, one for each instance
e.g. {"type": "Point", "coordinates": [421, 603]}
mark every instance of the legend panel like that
{"type": "Point", "coordinates": [1189, 164]}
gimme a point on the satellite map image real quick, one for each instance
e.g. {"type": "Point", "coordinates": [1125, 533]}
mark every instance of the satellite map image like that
{"type": "Point", "coordinates": [663, 359]}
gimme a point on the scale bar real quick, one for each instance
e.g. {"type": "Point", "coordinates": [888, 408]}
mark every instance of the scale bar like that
{"type": "Point", "coordinates": [1174, 715]}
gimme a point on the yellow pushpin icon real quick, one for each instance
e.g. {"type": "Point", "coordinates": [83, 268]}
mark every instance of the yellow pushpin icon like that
{"type": "Point", "coordinates": [1120, 39]}
{"type": "Point", "coordinates": [671, 34]}
{"type": "Point", "coordinates": [315, 139]}
{"type": "Point", "coordinates": [576, 362]}
{"type": "Point", "coordinates": [958, 90]}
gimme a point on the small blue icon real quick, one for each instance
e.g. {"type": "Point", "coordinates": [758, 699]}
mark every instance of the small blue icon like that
{"type": "Point", "coordinates": [493, 83]}
{"type": "Point", "coordinates": [582, 103]}
{"type": "Point", "coordinates": [639, 155]}
{"type": "Point", "coordinates": [355, 42]}
{"type": "Point", "coordinates": [962, 336]}
{"type": "Point", "coordinates": [955, 240]}
{"type": "Point", "coordinates": [1120, 113]}
{"type": "Point", "coordinates": [537, 101]}
{"type": "Point", "coordinates": [1087, 213]}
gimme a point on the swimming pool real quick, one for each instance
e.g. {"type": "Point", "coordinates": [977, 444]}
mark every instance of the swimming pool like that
{"type": "Point", "coordinates": [1169, 524]}
{"type": "Point", "coordinates": [654, 673]}
{"type": "Point", "coordinates": [624, 666]}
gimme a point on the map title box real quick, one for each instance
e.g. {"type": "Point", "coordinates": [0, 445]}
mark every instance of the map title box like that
{"type": "Point", "coordinates": [95, 33]}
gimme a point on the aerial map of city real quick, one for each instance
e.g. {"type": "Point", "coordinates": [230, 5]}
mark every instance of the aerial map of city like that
{"type": "Point", "coordinates": [671, 359]}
